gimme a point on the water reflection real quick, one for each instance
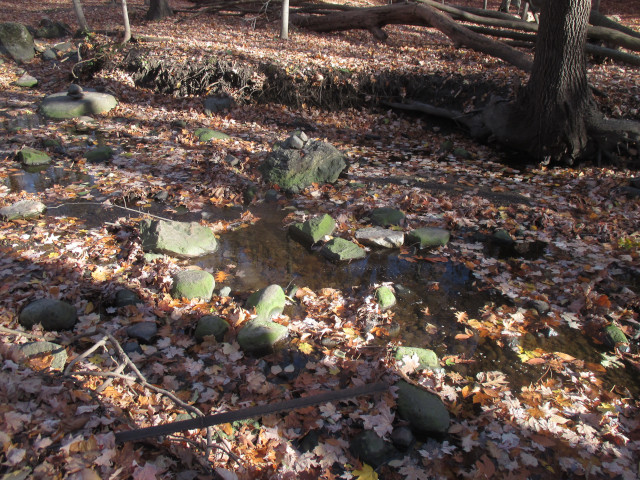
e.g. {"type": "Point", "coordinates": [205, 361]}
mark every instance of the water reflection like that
{"type": "Point", "coordinates": [40, 178]}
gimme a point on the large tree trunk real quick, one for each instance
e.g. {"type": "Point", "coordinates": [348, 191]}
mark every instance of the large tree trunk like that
{"type": "Point", "coordinates": [159, 9]}
{"type": "Point", "coordinates": [557, 100]}
{"type": "Point", "coordinates": [127, 25]}
{"type": "Point", "coordinates": [82, 22]}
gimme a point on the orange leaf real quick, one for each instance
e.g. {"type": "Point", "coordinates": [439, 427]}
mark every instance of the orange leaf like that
{"type": "Point", "coordinates": [462, 336]}
{"type": "Point", "coordinates": [565, 357]}
{"type": "Point", "coordinates": [466, 391]}
{"type": "Point", "coordinates": [227, 428]}
{"type": "Point", "coordinates": [603, 301]}
{"type": "Point", "coordinates": [221, 276]}
{"type": "Point", "coordinates": [536, 361]}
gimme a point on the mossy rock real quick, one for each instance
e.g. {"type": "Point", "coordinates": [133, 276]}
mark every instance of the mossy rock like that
{"type": "Point", "coordinates": [339, 249]}
{"type": "Point", "coordinates": [268, 302]}
{"type": "Point", "coordinates": [191, 284]}
{"type": "Point", "coordinates": [426, 357]}
{"type": "Point", "coordinates": [206, 134]}
{"type": "Point", "coordinates": [386, 216]}
{"type": "Point", "coordinates": [32, 157]}
{"type": "Point", "coordinates": [428, 237]}
{"type": "Point", "coordinates": [261, 337]}
{"type": "Point", "coordinates": [314, 229]}
{"type": "Point", "coordinates": [211, 325]}
{"type": "Point", "coordinates": [385, 298]}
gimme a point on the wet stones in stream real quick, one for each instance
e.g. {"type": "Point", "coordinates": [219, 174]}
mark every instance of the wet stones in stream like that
{"type": "Point", "coordinates": [31, 157]}
{"type": "Point", "coordinates": [387, 217]}
{"type": "Point", "coordinates": [339, 249]}
{"type": "Point", "coordinates": [428, 237]}
{"type": "Point", "coordinates": [313, 230]}
{"type": "Point", "coordinates": [179, 239]}
{"type": "Point", "coordinates": [260, 335]}
{"type": "Point", "coordinates": [380, 237]}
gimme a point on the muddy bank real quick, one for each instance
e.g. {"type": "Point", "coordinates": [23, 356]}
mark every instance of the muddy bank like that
{"type": "Point", "coordinates": [326, 88]}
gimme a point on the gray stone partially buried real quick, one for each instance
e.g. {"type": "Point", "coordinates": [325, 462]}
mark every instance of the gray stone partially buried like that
{"type": "Point", "coordinates": [428, 237]}
{"type": "Point", "coordinates": [179, 239]}
{"type": "Point", "coordinates": [314, 229]}
{"type": "Point", "coordinates": [22, 209]}
{"type": "Point", "coordinates": [423, 410]}
{"type": "Point", "coordinates": [61, 105]}
{"type": "Point", "coordinates": [380, 237]}
{"type": "Point", "coordinates": [52, 314]}
{"type": "Point", "coordinates": [16, 41]}
{"type": "Point", "coordinates": [260, 336]}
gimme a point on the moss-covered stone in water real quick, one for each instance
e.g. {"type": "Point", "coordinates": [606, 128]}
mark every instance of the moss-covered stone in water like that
{"type": "Point", "coordinates": [426, 357]}
{"type": "Point", "coordinates": [428, 237]}
{"type": "Point", "coordinates": [268, 301]}
{"type": "Point", "coordinates": [99, 155]}
{"type": "Point", "coordinates": [339, 249]}
{"type": "Point", "coordinates": [613, 335]}
{"type": "Point", "coordinates": [31, 156]}
{"type": "Point", "coordinates": [314, 229]}
{"type": "Point", "coordinates": [385, 298]}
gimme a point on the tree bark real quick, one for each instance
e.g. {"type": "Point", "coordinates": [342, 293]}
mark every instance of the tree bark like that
{"type": "Point", "coordinates": [284, 30]}
{"type": "Point", "coordinates": [82, 22]}
{"type": "Point", "coordinates": [159, 9]}
{"type": "Point", "coordinates": [125, 19]}
{"type": "Point", "coordinates": [555, 107]}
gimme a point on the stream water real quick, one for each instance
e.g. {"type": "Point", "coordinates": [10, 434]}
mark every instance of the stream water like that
{"type": "Point", "coordinates": [263, 254]}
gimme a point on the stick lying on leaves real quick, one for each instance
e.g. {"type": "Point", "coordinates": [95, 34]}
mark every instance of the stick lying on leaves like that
{"type": "Point", "coordinates": [226, 417]}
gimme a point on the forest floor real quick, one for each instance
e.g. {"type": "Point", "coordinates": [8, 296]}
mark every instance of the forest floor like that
{"type": "Point", "coordinates": [557, 402]}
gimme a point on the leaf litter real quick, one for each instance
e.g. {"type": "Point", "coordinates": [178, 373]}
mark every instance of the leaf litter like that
{"type": "Point", "coordinates": [573, 419]}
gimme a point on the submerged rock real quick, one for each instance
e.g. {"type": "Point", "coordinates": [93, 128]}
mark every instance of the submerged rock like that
{"type": "Point", "coordinates": [179, 239]}
{"type": "Point", "coordinates": [426, 357]}
{"type": "Point", "coordinates": [385, 298]}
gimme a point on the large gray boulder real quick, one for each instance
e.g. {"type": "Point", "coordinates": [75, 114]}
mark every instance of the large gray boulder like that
{"type": "Point", "coordinates": [298, 163]}
{"type": "Point", "coordinates": [52, 314]}
{"type": "Point", "coordinates": [424, 411]}
{"type": "Point", "coordinates": [73, 105]}
{"type": "Point", "coordinates": [16, 41]}
{"type": "Point", "coordinates": [179, 239]}
{"type": "Point", "coordinates": [314, 229]}
{"type": "Point", "coordinates": [261, 337]}
{"type": "Point", "coordinates": [22, 209]}
{"type": "Point", "coordinates": [191, 284]}
{"type": "Point", "coordinates": [268, 302]}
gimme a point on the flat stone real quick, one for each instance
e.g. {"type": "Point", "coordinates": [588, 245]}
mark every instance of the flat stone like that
{"type": "Point", "coordinates": [52, 314]}
{"type": "Point", "coordinates": [613, 335]}
{"type": "Point", "coordinates": [23, 209]}
{"type": "Point", "coordinates": [268, 302]}
{"type": "Point", "coordinates": [314, 229]}
{"type": "Point", "coordinates": [386, 216]}
{"type": "Point", "coordinates": [58, 352]}
{"type": "Point", "coordinates": [61, 105]}
{"type": "Point", "coordinates": [144, 331]}
{"type": "Point", "coordinates": [31, 156]}
{"type": "Point", "coordinates": [380, 237]}
{"type": "Point", "coordinates": [125, 297]}
{"type": "Point", "coordinates": [339, 249]}
{"type": "Point", "coordinates": [424, 411]}
{"type": "Point", "coordinates": [428, 237]}
{"type": "Point", "coordinates": [179, 239]}
{"type": "Point", "coordinates": [261, 337]}
{"type": "Point", "coordinates": [206, 134]}
{"type": "Point", "coordinates": [27, 81]}
{"type": "Point", "coordinates": [211, 325]}
{"type": "Point", "coordinates": [191, 284]}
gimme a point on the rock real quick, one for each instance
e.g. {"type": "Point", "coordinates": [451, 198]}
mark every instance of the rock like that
{"type": "Point", "coordinates": [225, 292]}
{"type": "Point", "coordinates": [386, 217]}
{"type": "Point", "coordinates": [271, 196]}
{"type": "Point", "coordinates": [211, 325]}
{"type": "Point", "coordinates": [613, 336]}
{"type": "Point", "coordinates": [61, 105]}
{"type": "Point", "coordinates": [132, 347]}
{"type": "Point", "coordinates": [295, 169]}
{"type": "Point", "coordinates": [161, 196]}
{"type": "Point", "coordinates": [64, 47]}
{"type": "Point", "coordinates": [314, 229]}
{"type": "Point", "coordinates": [426, 357]}
{"type": "Point", "coordinates": [339, 249]}
{"type": "Point", "coordinates": [502, 236]}
{"type": "Point", "coordinates": [58, 353]}
{"type": "Point", "coordinates": [217, 104]}
{"type": "Point", "coordinates": [152, 257]}
{"type": "Point", "coordinates": [295, 142]}
{"type": "Point", "coordinates": [191, 284]}
{"type": "Point", "coordinates": [402, 437]}
{"type": "Point", "coordinates": [75, 91]}
{"type": "Point", "coordinates": [539, 306]}
{"type": "Point", "coordinates": [385, 298]}
{"type": "Point", "coordinates": [179, 239]}
{"type": "Point", "coordinates": [17, 42]}
{"type": "Point", "coordinates": [52, 29]}
{"type": "Point", "coordinates": [27, 81]}
{"type": "Point", "coordinates": [22, 209]}
{"type": "Point", "coordinates": [268, 302]}
{"type": "Point", "coordinates": [371, 449]}
{"type": "Point", "coordinates": [52, 314]}
{"type": "Point", "coordinates": [31, 157]}
{"type": "Point", "coordinates": [380, 237]}
{"type": "Point", "coordinates": [424, 411]}
{"type": "Point", "coordinates": [99, 155]}
{"type": "Point", "coordinates": [206, 134]}
{"type": "Point", "coordinates": [428, 237]}
{"type": "Point", "coordinates": [125, 297]}
{"type": "Point", "coordinates": [22, 122]}
{"type": "Point", "coordinates": [49, 54]}
{"type": "Point", "coordinates": [261, 337]}
{"type": "Point", "coordinates": [144, 331]}
{"type": "Point", "coordinates": [461, 153]}
{"type": "Point", "coordinates": [231, 160]}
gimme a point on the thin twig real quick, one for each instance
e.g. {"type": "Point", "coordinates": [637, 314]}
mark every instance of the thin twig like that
{"type": "Point", "coordinates": [24, 334]}
{"type": "Point", "coordinates": [110, 206]}
{"type": "Point", "coordinates": [86, 353]}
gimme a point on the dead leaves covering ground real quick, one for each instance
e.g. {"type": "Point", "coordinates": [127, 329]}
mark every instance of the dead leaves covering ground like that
{"type": "Point", "coordinates": [571, 420]}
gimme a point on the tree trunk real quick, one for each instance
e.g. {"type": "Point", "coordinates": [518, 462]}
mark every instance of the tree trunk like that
{"type": "Point", "coordinates": [556, 104]}
{"type": "Point", "coordinates": [284, 31]}
{"type": "Point", "coordinates": [125, 19]}
{"type": "Point", "coordinates": [159, 9]}
{"type": "Point", "coordinates": [82, 22]}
